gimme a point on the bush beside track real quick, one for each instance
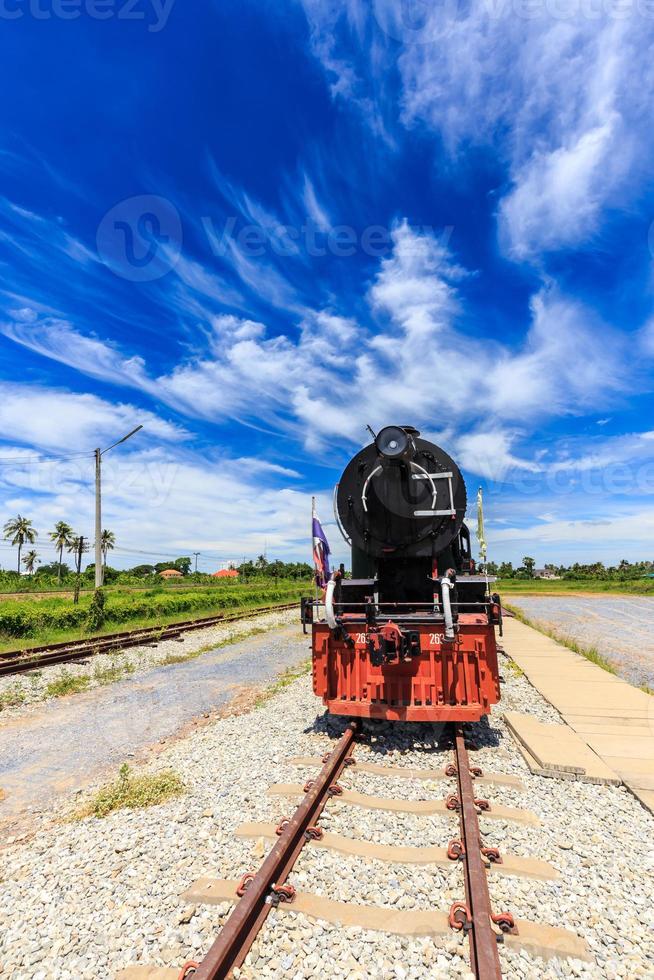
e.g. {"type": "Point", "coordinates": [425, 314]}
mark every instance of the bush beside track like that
{"type": "Point", "coordinates": [34, 620]}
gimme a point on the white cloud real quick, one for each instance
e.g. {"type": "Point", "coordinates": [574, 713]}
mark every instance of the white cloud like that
{"type": "Point", "coordinates": [647, 338]}
{"type": "Point", "coordinates": [560, 99]}
{"type": "Point", "coordinates": [415, 363]}
{"type": "Point", "coordinates": [561, 367]}
{"type": "Point", "coordinates": [605, 455]}
{"type": "Point", "coordinates": [165, 500]}
{"type": "Point", "coordinates": [558, 194]}
{"type": "Point", "coordinates": [632, 533]}
{"type": "Point", "coordinates": [59, 340]}
{"type": "Point", "coordinates": [315, 209]}
{"type": "Point", "coordinates": [560, 94]}
{"type": "Point", "coordinates": [488, 454]}
{"type": "Point", "coordinates": [52, 419]}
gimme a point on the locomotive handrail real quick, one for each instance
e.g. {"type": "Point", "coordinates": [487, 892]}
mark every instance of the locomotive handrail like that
{"type": "Point", "coordinates": [395, 605]}
{"type": "Point", "coordinates": [329, 604]}
{"type": "Point", "coordinates": [364, 492]}
{"type": "Point", "coordinates": [446, 586]}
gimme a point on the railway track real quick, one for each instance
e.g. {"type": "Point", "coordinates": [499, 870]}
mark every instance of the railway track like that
{"type": "Point", "coordinates": [257, 893]}
{"type": "Point", "coordinates": [22, 661]}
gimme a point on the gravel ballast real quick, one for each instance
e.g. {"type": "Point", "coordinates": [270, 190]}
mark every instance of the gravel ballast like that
{"type": "Point", "coordinates": [84, 899]}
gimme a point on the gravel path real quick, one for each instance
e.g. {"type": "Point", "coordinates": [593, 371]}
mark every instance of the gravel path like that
{"type": "Point", "coordinates": [621, 627]}
{"type": "Point", "coordinates": [84, 899]}
{"type": "Point", "coordinates": [102, 669]}
{"type": "Point", "coordinates": [58, 746]}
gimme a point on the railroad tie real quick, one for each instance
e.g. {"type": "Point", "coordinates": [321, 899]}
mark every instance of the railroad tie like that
{"type": "Point", "coordinates": [374, 769]}
{"type": "Point", "coordinates": [546, 941]}
{"type": "Point", "coordinates": [510, 865]}
{"type": "Point", "coordinates": [423, 807]}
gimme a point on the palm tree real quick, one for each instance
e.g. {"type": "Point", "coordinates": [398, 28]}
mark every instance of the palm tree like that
{"type": "Point", "coordinates": [61, 538]}
{"type": "Point", "coordinates": [73, 546]}
{"type": "Point", "coordinates": [18, 530]}
{"type": "Point", "coordinates": [78, 545]}
{"type": "Point", "coordinates": [108, 540]}
{"type": "Point", "coordinates": [30, 561]}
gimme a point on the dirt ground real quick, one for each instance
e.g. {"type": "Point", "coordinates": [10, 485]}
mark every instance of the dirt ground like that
{"type": "Point", "coordinates": [620, 627]}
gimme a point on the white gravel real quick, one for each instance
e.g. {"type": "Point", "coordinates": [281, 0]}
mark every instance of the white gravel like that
{"type": "Point", "coordinates": [85, 899]}
{"type": "Point", "coordinates": [31, 688]}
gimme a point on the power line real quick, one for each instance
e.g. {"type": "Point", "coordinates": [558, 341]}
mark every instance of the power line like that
{"type": "Point", "coordinates": [175, 549]}
{"type": "Point", "coordinates": [42, 460]}
{"type": "Point", "coordinates": [46, 545]}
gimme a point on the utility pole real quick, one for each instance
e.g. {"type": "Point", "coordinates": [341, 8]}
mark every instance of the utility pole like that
{"type": "Point", "coordinates": [196, 553]}
{"type": "Point", "coordinates": [99, 570]}
{"type": "Point", "coordinates": [80, 549]}
{"type": "Point", "coordinates": [99, 453]}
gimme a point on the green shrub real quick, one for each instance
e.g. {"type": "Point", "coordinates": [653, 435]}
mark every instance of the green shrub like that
{"type": "Point", "coordinates": [133, 792]}
{"type": "Point", "coordinates": [12, 697]}
{"type": "Point", "coordinates": [96, 614]}
{"type": "Point", "coordinates": [115, 672]}
{"type": "Point", "coordinates": [66, 684]}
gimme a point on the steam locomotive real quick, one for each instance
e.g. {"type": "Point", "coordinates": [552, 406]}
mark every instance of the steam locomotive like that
{"type": "Point", "coordinates": [411, 636]}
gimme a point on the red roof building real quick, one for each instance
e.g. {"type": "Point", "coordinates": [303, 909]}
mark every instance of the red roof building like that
{"type": "Point", "coordinates": [226, 573]}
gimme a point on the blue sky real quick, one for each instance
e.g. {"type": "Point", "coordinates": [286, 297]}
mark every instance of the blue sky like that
{"type": "Point", "coordinates": [256, 228]}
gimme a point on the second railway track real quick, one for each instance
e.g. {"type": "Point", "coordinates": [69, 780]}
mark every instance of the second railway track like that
{"type": "Point", "coordinates": [479, 857]}
{"type": "Point", "coordinates": [36, 658]}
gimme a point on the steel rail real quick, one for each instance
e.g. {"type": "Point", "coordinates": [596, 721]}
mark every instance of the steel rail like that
{"type": "Point", "coordinates": [246, 919]}
{"type": "Point", "coordinates": [484, 955]}
{"type": "Point", "coordinates": [21, 661]}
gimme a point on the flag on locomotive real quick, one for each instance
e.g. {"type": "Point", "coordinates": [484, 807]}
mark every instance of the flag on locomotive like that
{"type": "Point", "coordinates": [411, 635]}
{"type": "Point", "coordinates": [320, 549]}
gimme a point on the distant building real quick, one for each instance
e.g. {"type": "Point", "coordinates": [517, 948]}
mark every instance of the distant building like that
{"type": "Point", "coordinates": [170, 573]}
{"type": "Point", "coordinates": [226, 573]}
{"type": "Point", "coordinates": [545, 573]}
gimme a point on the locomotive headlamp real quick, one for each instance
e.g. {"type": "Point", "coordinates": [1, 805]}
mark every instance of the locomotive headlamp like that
{"type": "Point", "coordinates": [394, 443]}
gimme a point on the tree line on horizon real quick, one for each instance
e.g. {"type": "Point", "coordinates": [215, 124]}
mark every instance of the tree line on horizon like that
{"type": "Point", "coordinates": [623, 571]}
{"type": "Point", "coordinates": [20, 532]}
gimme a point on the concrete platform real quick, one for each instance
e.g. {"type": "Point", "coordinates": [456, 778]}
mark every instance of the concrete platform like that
{"type": "Point", "coordinates": [556, 750]}
{"type": "Point", "coordinates": [613, 718]}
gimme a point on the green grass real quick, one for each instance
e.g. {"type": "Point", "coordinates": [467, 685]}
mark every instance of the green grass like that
{"type": "Point", "coordinates": [36, 622]}
{"type": "Point", "coordinates": [182, 658]}
{"type": "Point", "coordinates": [539, 586]}
{"type": "Point", "coordinates": [513, 667]}
{"type": "Point", "coordinates": [290, 675]}
{"type": "Point", "coordinates": [28, 587]}
{"type": "Point", "coordinates": [588, 652]}
{"type": "Point", "coordinates": [66, 684]}
{"type": "Point", "coordinates": [113, 673]}
{"type": "Point", "coordinates": [133, 793]}
{"type": "Point", "coordinates": [13, 697]}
